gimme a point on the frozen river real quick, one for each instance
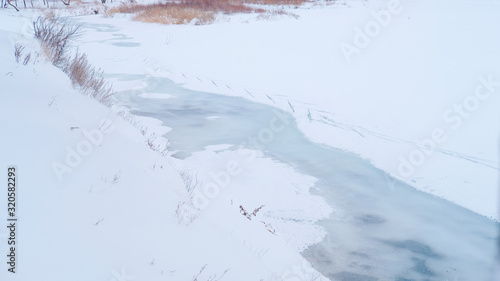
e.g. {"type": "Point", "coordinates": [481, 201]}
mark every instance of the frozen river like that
{"type": "Point", "coordinates": [382, 229]}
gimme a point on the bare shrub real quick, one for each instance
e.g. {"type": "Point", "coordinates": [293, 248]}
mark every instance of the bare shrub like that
{"type": "Point", "coordinates": [18, 50]}
{"type": "Point", "coordinates": [117, 176]}
{"type": "Point", "coordinates": [195, 278]}
{"type": "Point", "coordinates": [157, 146]}
{"type": "Point", "coordinates": [55, 37]}
{"type": "Point", "coordinates": [26, 59]}
{"type": "Point", "coordinates": [249, 215]}
{"type": "Point", "coordinates": [269, 227]}
{"type": "Point", "coordinates": [18, 53]}
{"type": "Point", "coordinates": [211, 277]}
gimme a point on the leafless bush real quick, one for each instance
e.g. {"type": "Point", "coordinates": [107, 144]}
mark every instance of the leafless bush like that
{"type": "Point", "coordinates": [157, 146]}
{"type": "Point", "coordinates": [195, 278]}
{"type": "Point", "coordinates": [117, 177]}
{"type": "Point", "coordinates": [18, 53]}
{"type": "Point", "coordinates": [211, 277]}
{"type": "Point", "coordinates": [55, 37]}
{"type": "Point", "coordinates": [269, 227]}
{"type": "Point", "coordinates": [26, 59]}
{"type": "Point", "coordinates": [18, 50]}
{"type": "Point", "coordinates": [178, 212]}
{"type": "Point", "coordinates": [214, 277]}
{"type": "Point", "coordinates": [249, 215]}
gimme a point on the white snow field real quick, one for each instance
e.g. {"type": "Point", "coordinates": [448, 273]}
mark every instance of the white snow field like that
{"type": "Point", "coordinates": [303, 107]}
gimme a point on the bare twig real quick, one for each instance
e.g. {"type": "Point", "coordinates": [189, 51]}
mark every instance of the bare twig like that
{"type": "Point", "coordinates": [8, 1]}
{"type": "Point", "coordinates": [249, 215]}
{"type": "Point", "coordinates": [18, 50]}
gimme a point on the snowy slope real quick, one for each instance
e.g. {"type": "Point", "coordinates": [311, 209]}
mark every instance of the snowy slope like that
{"type": "Point", "coordinates": [112, 214]}
{"type": "Point", "coordinates": [96, 203]}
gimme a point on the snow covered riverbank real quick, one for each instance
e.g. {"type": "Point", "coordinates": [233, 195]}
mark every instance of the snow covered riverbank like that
{"type": "Point", "coordinates": [96, 203]}
{"type": "Point", "coordinates": [418, 102]}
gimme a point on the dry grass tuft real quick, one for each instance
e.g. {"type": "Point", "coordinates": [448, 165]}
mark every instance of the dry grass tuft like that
{"type": "Point", "coordinates": [89, 80]}
{"type": "Point", "coordinates": [175, 14]}
{"type": "Point", "coordinates": [197, 11]}
{"type": "Point", "coordinates": [277, 2]}
{"type": "Point", "coordinates": [55, 37]}
{"type": "Point", "coordinates": [18, 51]}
